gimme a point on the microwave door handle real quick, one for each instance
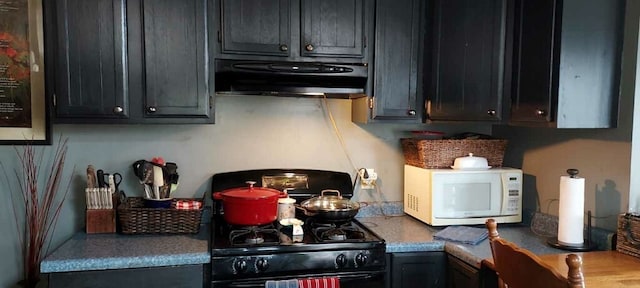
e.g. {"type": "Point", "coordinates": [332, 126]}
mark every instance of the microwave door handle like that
{"type": "Point", "coordinates": [504, 194]}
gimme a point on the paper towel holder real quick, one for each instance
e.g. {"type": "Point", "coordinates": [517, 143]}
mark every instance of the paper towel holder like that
{"type": "Point", "coordinates": [587, 245]}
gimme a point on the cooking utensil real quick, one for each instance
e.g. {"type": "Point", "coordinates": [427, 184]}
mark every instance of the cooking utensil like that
{"type": "Point", "coordinates": [158, 181]}
{"type": "Point", "coordinates": [331, 208]}
{"type": "Point", "coordinates": [144, 171]}
{"type": "Point", "coordinates": [249, 206]}
{"type": "Point", "coordinates": [470, 163]}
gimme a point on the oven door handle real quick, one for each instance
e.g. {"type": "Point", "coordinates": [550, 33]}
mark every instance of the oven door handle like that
{"type": "Point", "coordinates": [343, 279]}
{"type": "Point", "coordinates": [241, 285]}
{"type": "Point", "coordinates": [358, 277]}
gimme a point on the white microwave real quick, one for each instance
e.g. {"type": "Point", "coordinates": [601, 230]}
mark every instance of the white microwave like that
{"type": "Point", "coordinates": [441, 197]}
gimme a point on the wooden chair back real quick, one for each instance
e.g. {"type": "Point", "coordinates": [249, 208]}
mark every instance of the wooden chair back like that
{"type": "Point", "coordinates": [520, 268]}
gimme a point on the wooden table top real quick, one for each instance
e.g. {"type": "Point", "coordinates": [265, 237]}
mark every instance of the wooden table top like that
{"type": "Point", "coordinates": [600, 268]}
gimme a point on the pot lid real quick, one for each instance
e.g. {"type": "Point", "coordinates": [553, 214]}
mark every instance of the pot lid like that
{"type": "Point", "coordinates": [329, 202]}
{"type": "Point", "coordinates": [470, 162]}
{"type": "Point", "coordinates": [251, 192]}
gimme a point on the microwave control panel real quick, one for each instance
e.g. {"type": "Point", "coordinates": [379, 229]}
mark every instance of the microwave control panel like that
{"type": "Point", "coordinates": [513, 186]}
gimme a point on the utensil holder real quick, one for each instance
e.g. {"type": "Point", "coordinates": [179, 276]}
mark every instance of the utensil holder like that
{"type": "Point", "coordinates": [135, 218]}
{"type": "Point", "coordinates": [100, 221]}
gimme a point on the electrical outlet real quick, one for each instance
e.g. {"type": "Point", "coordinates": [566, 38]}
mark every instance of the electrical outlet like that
{"type": "Point", "coordinates": [368, 179]}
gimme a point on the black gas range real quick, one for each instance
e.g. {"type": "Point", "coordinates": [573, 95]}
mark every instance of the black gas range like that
{"type": "Point", "coordinates": [251, 256]}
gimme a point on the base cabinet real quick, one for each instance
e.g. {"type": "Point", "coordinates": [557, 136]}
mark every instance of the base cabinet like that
{"type": "Point", "coordinates": [417, 269]}
{"type": "Point", "coordinates": [463, 275]}
{"type": "Point", "coordinates": [188, 276]}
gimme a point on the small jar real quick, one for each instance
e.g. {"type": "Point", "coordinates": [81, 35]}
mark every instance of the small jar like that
{"type": "Point", "coordinates": [286, 208]}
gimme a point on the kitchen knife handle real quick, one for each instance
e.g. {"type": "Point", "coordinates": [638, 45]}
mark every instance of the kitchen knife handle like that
{"type": "Point", "coordinates": [100, 175]}
{"type": "Point", "coordinates": [91, 177]}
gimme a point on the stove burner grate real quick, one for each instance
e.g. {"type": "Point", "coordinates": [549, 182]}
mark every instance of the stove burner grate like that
{"type": "Point", "coordinates": [254, 235]}
{"type": "Point", "coordinates": [331, 232]}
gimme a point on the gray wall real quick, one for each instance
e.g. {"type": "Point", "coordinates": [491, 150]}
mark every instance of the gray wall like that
{"type": "Point", "coordinates": [250, 132]}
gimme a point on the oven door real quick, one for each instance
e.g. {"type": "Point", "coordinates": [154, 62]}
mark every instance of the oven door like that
{"type": "Point", "coordinates": [372, 279]}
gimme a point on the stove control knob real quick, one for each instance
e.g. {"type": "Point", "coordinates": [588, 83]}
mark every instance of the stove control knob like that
{"type": "Point", "coordinates": [262, 264]}
{"type": "Point", "coordinates": [361, 259]}
{"type": "Point", "coordinates": [341, 260]}
{"type": "Point", "coordinates": [240, 265]}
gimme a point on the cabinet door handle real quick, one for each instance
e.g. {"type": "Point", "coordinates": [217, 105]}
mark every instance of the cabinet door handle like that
{"type": "Point", "coordinates": [411, 112]}
{"type": "Point", "coordinates": [284, 48]}
{"type": "Point", "coordinates": [151, 109]}
{"type": "Point", "coordinates": [541, 112]}
{"type": "Point", "coordinates": [117, 110]}
{"type": "Point", "coordinates": [309, 47]}
{"type": "Point", "coordinates": [491, 112]}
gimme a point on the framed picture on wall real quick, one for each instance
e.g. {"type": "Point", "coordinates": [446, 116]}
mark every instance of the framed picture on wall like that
{"type": "Point", "coordinates": [24, 117]}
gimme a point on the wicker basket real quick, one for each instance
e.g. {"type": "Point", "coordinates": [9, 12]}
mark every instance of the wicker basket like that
{"type": "Point", "coordinates": [136, 219]}
{"type": "Point", "coordinates": [442, 153]}
{"type": "Point", "coordinates": [628, 235]}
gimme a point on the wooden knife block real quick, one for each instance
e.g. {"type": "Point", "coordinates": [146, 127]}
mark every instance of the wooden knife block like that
{"type": "Point", "coordinates": [101, 221]}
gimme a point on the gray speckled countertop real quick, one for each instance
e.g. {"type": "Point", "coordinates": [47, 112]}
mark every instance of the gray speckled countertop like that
{"type": "Point", "coordinates": [406, 234]}
{"type": "Point", "coordinates": [401, 232]}
{"type": "Point", "coordinates": [85, 252]}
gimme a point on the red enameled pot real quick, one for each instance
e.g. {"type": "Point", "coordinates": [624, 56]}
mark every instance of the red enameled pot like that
{"type": "Point", "coordinates": [249, 206]}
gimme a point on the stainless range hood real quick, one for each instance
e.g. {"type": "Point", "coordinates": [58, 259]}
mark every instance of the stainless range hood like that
{"type": "Point", "coordinates": [299, 79]}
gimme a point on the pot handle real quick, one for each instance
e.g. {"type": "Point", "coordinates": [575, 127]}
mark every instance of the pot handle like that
{"type": "Point", "coordinates": [332, 191]}
{"type": "Point", "coordinates": [305, 210]}
{"type": "Point", "coordinates": [217, 195]}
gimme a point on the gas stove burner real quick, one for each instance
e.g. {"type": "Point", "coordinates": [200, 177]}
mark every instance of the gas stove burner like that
{"type": "Point", "coordinates": [254, 239]}
{"type": "Point", "coordinates": [332, 232]}
{"type": "Point", "coordinates": [254, 235]}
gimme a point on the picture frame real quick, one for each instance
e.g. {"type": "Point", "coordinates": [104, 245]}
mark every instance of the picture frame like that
{"type": "Point", "coordinates": [24, 113]}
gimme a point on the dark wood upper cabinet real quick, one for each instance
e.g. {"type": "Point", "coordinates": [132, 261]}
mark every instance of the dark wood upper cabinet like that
{"type": "Point", "coordinates": [294, 30]}
{"type": "Point", "coordinates": [567, 63]}
{"type": "Point", "coordinates": [466, 82]}
{"type": "Point", "coordinates": [398, 48]}
{"type": "Point", "coordinates": [91, 58]}
{"type": "Point", "coordinates": [259, 27]}
{"type": "Point", "coordinates": [332, 28]}
{"type": "Point", "coordinates": [135, 61]}
{"type": "Point", "coordinates": [175, 54]}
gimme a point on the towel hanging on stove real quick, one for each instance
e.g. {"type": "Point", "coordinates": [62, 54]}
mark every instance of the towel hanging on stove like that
{"type": "Point", "coordinates": [292, 283]}
{"type": "Point", "coordinates": [325, 282]}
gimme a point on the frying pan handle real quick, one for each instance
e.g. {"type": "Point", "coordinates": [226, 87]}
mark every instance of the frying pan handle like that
{"type": "Point", "coordinates": [331, 191]}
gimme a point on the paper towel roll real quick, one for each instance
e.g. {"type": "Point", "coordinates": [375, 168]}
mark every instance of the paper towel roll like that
{"type": "Point", "coordinates": [571, 213]}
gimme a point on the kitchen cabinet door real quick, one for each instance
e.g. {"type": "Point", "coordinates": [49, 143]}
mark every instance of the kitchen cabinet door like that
{"type": "Point", "coordinates": [461, 275]}
{"type": "Point", "coordinates": [567, 69]}
{"type": "Point", "coordinates": [188, 276]}
{"type": "Point", "coordinates": [466, 82]}
{"type": "Point", "coordinates": [288, 30]}
{"type": "Point", "coordinates": [175, 53]}
{"type": "Point", "coordinates": [397, 90]}
{"type": "Point", "coordinates": [332, 28]}
{"type": "Point", "coordinates": [90, 61]}
{"type": "Point", "coordinates": [398, 58]}
{"type": "Point", "coordinates": [260, 27]}
{"type": "Point", "coordinates": [135, 61]}
{"type": "Point", "coordinates": [418, 269]}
